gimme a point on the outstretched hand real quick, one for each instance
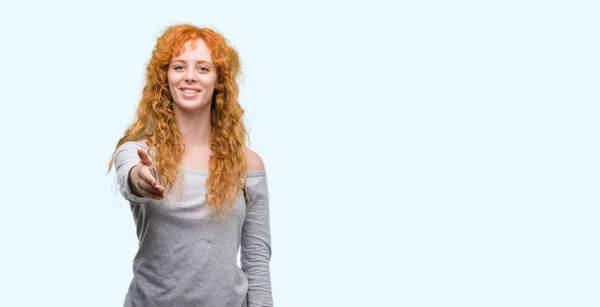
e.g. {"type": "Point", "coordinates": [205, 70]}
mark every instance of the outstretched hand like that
{"type": "Point", "coordinates": [141, 179]}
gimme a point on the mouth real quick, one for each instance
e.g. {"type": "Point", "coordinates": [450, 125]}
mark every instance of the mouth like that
{"type": "Point", "coordinates": [190, 91]}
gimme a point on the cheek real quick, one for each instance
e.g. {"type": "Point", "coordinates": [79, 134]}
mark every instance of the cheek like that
{"type": "Point", "coordinates": [172, 89]}
{"type": "Point", "coordinates": [211, 82]}
{"type": "Point", "coordinates": [171, 85]}
{"type": "Point", "coordinates": [173, 77]}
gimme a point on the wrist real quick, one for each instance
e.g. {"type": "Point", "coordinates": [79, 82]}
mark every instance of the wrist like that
{"type": "Point", "coordinates": [132, 174]}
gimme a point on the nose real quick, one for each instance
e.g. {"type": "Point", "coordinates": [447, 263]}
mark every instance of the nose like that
{"type": "Point", "coordinates": [190, 76]}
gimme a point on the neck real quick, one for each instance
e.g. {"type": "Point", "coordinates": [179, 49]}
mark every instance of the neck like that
{"type": "Point", "coordinates": [195, 128]}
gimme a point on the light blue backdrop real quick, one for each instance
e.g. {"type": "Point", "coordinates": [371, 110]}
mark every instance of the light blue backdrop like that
{"type": "Point", "coordinates": [422, 153]}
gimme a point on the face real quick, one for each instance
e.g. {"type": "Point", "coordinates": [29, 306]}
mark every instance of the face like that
{"type": "Point", "coordinates": [191, 77]}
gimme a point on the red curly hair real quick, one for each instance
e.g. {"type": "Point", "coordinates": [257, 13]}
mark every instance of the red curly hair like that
{"type": "Point", "coordinates": [156, 123]}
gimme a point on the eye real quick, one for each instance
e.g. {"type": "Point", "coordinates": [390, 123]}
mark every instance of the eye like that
{"type": "Point", "coordinates": [203, 69]}
{"type": "Point", "coordinates": [178, 67]}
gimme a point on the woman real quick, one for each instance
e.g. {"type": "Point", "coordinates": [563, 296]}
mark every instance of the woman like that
{"type": "Point", "coordinates": [196, 192]}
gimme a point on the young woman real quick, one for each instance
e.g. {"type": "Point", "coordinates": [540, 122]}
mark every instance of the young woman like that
{"type": "Point", "coordinates": [196, 192]}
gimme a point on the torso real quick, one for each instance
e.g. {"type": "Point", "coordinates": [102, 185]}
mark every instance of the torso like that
{"type": "Point", "coordinates": [196, 158]}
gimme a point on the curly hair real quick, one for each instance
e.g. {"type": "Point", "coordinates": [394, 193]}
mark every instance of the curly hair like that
{"type": "Point", "coordinates": [156, 123]}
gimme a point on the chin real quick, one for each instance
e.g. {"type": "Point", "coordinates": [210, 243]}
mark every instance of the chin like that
{"type": "Point", "coordinates": [192, 105]}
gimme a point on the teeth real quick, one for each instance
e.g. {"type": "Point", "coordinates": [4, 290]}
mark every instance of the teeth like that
{"type": "Point", "coordinates": [190, 91]}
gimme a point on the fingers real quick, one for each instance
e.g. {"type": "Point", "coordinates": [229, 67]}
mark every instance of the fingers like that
{"type": "Point", "coordinates": [152, 193]}
{"type": "Point", "coordinates": [147, 184]}
{"type": "Point", "coordinates": [145, 175]}
{"type": "Point", "coordinates": [149, 188]}
{"type": "Point", "coordinates": [144, 158]}
{"type": "Point", "coordinates": [149, 191]}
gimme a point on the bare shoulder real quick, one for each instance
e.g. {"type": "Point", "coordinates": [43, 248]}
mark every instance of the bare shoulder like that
{"type": "Point", "coordinates": [254, 162]}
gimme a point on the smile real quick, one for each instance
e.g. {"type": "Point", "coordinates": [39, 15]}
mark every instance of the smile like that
{"type": "Point", "coordinates": [190, 90]}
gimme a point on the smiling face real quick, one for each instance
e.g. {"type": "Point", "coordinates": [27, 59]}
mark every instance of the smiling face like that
{"type": "Point", "coordinates": [191, 77]}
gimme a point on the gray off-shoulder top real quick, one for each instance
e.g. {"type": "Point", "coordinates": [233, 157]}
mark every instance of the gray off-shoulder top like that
{"type": "Point", "coordinates": [185, 257]}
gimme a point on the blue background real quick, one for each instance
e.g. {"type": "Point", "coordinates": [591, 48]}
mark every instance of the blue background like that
{"type": "Point", "coordinates": [419, 153]}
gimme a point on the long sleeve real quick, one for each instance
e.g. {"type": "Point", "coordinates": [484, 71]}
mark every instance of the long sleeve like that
{"type": "Point", "coordinates": [125, 158]}
{"type": "Point", "coordinates": [256, 242]}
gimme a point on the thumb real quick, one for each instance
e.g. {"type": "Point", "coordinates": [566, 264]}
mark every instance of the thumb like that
{"type": "Point", "coordinates": [144, 157]}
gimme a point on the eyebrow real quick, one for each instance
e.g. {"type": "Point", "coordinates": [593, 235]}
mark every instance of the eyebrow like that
{"type": "Point", "coordinates": [198, 62]}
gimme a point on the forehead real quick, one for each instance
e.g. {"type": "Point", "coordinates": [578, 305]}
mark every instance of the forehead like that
{"type": "Point", "coordinates": [194, 49]}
